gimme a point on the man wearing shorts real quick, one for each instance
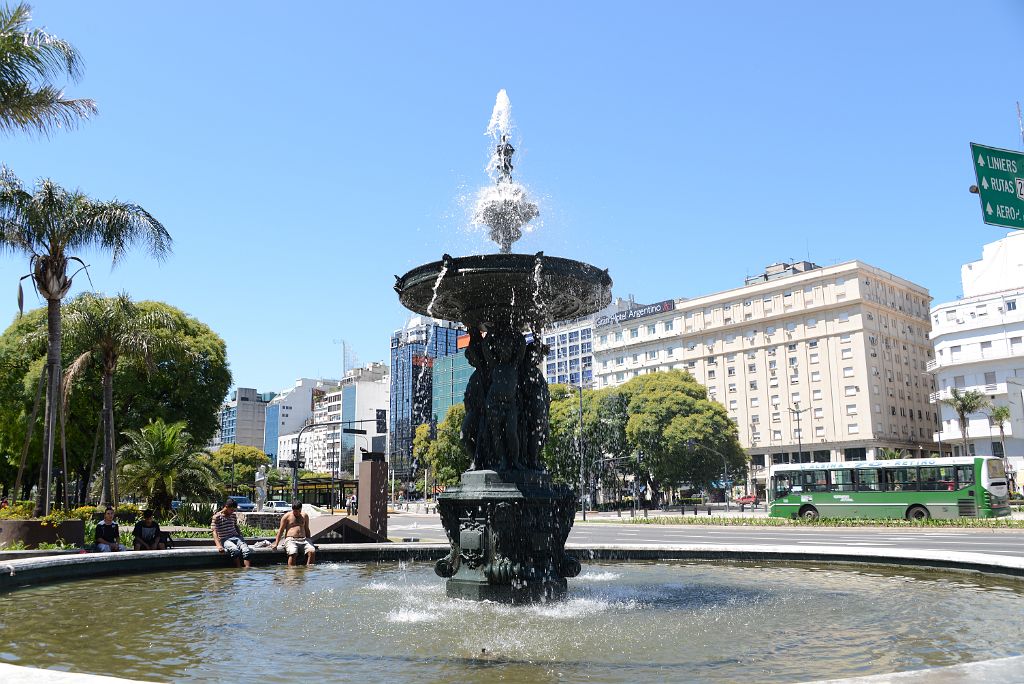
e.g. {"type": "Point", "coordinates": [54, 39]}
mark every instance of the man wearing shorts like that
{"type": "Point", "coordinates": [228, 537]}
{"type": "Point", "coordinates": [294, 528]}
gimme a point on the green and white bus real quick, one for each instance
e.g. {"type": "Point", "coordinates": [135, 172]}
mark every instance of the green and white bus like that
{"type": "Point", "coordinates": [915, 489]}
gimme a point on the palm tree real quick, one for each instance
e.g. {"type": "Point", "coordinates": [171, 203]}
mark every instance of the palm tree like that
{"type": "Point", "coordinates": [965, 403]}
{"type": "Point", "coordinates": [1000, 415]}
{"type": "Point", "coordinates": [160, 463]}
{"type": "Point", "coordinates": [46, 225]}
{"type": "Point", "coordinates": [887, 454]}
{"type": "Point", "coordinates": [29, 59]}
{"type": "Point", "coordinates": [109, 330]}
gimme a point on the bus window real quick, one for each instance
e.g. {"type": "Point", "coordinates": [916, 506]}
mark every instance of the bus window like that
{"type": "Point", "coordinates": [867, 480]}
{"type": "Point", "coordinates": [812, 480]}
{"type": "Point", "coordinates": [781, 485]}
{"type": "Point", "coordinates": [964, 476]}
{"type": "Point", "coordinates": [996, 471]}
{"type": "Point", "coordinates": [937, 478]}
{"type": "Point", "coordinates": [900, 479]}
{"type": "Point", "coordinates": [842, 480]}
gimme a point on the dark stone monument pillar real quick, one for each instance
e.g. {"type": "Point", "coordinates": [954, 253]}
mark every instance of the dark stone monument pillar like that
{"type": "Point", "coordinates": [372, 497]}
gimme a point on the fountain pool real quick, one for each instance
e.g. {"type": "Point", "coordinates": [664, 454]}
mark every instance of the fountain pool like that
{"type": "Point", "coordinates": [619, 622]}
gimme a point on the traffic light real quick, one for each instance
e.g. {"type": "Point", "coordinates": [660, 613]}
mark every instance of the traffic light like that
{"type": "Point", "coordinates": [382, 421]}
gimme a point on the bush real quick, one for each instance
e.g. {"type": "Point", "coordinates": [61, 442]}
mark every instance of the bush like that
{"type": "Point", "coordinates": [17, 510]}
{"type": "Point", "coordinates": [195, 514]}
{"type": "Point", "coordinates": [85, 512]}
{"type": "Point", "coordinates": [128, 512]}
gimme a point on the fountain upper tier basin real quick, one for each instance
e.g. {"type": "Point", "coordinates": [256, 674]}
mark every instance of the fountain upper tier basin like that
{"type": "Point", "coordinates": [521, 289]}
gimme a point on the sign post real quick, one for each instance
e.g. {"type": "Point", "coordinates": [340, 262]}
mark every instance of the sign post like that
{"type": "Point", "coordinates": [1000, 175]}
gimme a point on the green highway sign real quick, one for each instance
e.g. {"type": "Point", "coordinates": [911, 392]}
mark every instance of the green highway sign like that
{"type": "Point", "coordinates": [1000, 176]}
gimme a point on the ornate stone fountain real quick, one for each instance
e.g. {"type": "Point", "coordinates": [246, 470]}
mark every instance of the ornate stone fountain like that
{"type": "Point", "coordinates": [506, 522]}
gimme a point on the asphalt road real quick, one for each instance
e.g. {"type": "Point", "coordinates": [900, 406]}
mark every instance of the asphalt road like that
{"type": "Point", "coordinates": [427, 528]}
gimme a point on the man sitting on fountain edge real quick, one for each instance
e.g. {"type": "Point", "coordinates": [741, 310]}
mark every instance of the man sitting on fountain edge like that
{"type": "Point", "coordinates": [295, 528]}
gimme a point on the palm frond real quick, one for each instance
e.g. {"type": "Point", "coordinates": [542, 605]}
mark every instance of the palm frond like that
{"type": "Point", "coordinates": [30, 58]}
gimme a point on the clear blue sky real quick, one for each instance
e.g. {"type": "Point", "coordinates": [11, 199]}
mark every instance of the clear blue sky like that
{"type": "Point", "coordinates": [301, 154]}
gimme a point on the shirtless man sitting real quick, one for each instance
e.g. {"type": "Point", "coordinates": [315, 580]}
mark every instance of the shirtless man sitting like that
{"type": "Point", "coordinates": [294, 528]}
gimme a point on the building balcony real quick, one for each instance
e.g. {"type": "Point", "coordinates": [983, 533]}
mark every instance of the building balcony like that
{"type": "Point", "coordinates": [989, 389]}
{"type": "Point", "coordinates": [963, 358]}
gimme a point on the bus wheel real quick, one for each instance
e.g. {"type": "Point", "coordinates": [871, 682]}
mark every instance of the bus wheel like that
{"type": "Point", "coordinates": [809, 513]}
{"type": "Point", "coordinates": [918, 513]}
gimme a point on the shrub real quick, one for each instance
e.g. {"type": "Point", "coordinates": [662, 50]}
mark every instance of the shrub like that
{"type": "Point", "coordinates": [17, 510]}
{"type": "Point", "coordinates": [85, 512]}
{"type": "Point", "coordinates": [128, 511]}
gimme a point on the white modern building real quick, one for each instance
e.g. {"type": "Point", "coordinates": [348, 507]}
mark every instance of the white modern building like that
{"type": "Point", "coordinates": [570, 344]}
{"type": "Point", "coordinates": [352, 404]}
{"type": "Point", "coordinates": [812, 363]}
{"type": "Point", "coordinates": [290, 410]}
{"type": "Point", "coordinates": [979, 345]}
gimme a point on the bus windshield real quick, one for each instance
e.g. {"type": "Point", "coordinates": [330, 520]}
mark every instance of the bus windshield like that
{"type": "Point", "coordinates": [996, 470]}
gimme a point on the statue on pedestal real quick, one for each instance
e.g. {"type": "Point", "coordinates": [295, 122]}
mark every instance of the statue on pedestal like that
{"type": "Point", "coordinates": [261, 488]}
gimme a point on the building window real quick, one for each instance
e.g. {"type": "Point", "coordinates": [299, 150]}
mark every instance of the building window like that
{"type": "Point", "coordinates": [816, 395]}
{"type": "Point", "coordinates": [1011, 304]}
{"type": "Point", "coordinates": [651, 329]}
{"type": "Point", "coordinates": [958, 381]}
{"type": "Point", "coordinates": [819, 412]}
{"type": "Point", "coordinates": [604, 339]}
{"type": "Point", "coordinates": [754, 401]}
{"type": "Point", "coordinates": [990, 377]}
{"type": "Point", "coordinates": [668, 326]}
{"type": "Point", "coordinates": [813, 357]}
{"type": "Point", "coordinates": [815, 376]}
{"type": "Point", "coordinates": [848, 372]}
{"type": "Point", "coordinates": [853, 428]}
{"type": "Point", "coordinates": [732, 387]}
{"type": "Point", "coordinates": [652, 355]}
{"type": "Point", "coordinates": [851, 409]}
{"type": "Point", "coordinates": [753, 385]}
{"type": "Point", "coordinates": [846, 353]}
{"type": "Point", "coordinates": [850, 390]}
{"type": "Point", "coordinates": [634, 333]}
{"type": "Point", "coordinates": [618, 335]}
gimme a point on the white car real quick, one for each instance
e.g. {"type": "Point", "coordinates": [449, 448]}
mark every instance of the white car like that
{"type": "Point", "coordinates": [277, 507]}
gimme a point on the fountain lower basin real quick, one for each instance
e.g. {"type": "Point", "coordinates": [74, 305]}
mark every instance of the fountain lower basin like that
{"type": "Point", "coordinates": [619, 622]}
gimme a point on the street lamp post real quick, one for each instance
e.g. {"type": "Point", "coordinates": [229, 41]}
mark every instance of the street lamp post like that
{"type": "Point", "coordinates": [799, 432]}
{"type": "Point", "coordinates": [579, 449]}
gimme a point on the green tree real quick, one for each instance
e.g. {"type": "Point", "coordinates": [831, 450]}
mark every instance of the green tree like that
{"type": "Point", "coordinates": [47, 225]}
{"type": "Point", "coordinates": [187, 385]}
{"type": "Point", "coordinates": [110, 329]}
{"type": "Point", "coordinates": [30, 60]}
{"type": "Point", "coordinates": [445, 454]}
{"type": "Point", "coordinates": [1000, 415]}
{"type": "Point", "coordinates": [237, 464]}
{"type": "Point", "coordinates": [964, 404]}
{"type": "Point", "coordinates": [678, 434]}
{"type": "Point", "coordinates": [160, 463]}
{"type": "Point", "coordinates": [887, 454]}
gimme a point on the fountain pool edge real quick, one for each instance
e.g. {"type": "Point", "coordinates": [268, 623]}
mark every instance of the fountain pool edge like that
{"type": "Point", "coordinates": [41, 570]}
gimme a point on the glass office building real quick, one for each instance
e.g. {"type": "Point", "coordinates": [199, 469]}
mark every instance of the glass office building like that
{"type": "Point", "coordinates": [451, 375]}
{"type": "Point", "coordinates": [414, 350]}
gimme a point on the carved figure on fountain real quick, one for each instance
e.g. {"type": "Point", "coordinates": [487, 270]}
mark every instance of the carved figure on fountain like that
{"type": "Point", "coordinates": [474, 423]}
{"type": "Point", "coordinates": [504, 351]}
{"type": "Point", "coordinates": [535, 399]}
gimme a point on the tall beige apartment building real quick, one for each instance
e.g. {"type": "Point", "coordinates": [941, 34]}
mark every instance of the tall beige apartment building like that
{"type": "Point", "coordinates": [812, 363]}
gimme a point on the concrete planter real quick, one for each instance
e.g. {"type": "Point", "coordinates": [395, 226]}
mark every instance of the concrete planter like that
{"type": "Point", "coordinates": [35, 532]}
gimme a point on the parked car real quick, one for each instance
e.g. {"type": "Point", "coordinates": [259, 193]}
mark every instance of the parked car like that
{"type": "Point", "coordinates": [749, 499]}
{"type": "Point", "coordinates": [245, 504]}
{"type": "Point", "coordinates": [277, 507]}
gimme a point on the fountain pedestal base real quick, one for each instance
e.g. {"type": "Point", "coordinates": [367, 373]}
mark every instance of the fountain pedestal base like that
{"type": "Point", "coordinates": [507, 532]}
